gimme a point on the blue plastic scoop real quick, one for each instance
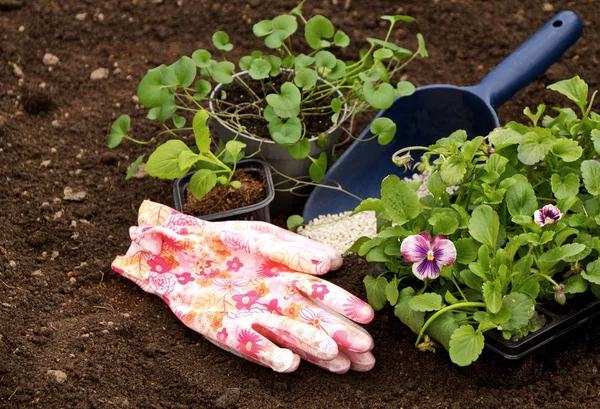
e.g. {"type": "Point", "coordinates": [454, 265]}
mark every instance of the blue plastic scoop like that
{"type": "Point", "coordinates": [435, 111]}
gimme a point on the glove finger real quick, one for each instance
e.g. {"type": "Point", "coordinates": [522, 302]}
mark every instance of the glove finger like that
{"type": "Point", "coordinates": [335, 259]}
{"type": "Point", "coordinates": [296, 257]}
{"type": "Point", "coordinates": [249, 344]}
{"type": "Point", "coordinates": [335, 298]}
{"type": "Point", "coordinates": [304, 337]}
{"type": "Point", "coordinates": [360, 362]}
{"type": "Point", "coordinates": [339, 365]}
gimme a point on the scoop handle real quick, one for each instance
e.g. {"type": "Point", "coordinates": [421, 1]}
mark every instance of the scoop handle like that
{"type": "Point", "coordinates": [531, 59]}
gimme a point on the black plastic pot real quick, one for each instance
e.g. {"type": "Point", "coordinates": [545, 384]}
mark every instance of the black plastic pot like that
{"type": "Point", "coordinates": [560, 320]}
{"type": "Point", "coordinates": [258, 211]}
{"type": "Point", "coordinates": [285, 203]}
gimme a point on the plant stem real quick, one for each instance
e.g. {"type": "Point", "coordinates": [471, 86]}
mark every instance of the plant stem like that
{"type": "Point", "coordinates": [547, 277]}
{"type": "Point", "coordinates": [443, 311]}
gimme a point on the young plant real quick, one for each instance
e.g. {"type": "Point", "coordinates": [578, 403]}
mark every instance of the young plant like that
{"type": "Point", "coordinates": [510, 220]}
{"type": "Point", "coordinates": [297, 98]}
{"type": "Point", "coordinates": [173, 159]}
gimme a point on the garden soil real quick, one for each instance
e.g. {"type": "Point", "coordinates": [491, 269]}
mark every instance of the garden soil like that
{"type": "Point", "coordinates": [75, 335]}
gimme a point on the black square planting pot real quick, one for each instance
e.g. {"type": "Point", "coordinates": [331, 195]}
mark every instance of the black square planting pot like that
{"type": "Point", "coordinates": [258, 211]}
{"type": "Point", "coordinates": [560, 320]}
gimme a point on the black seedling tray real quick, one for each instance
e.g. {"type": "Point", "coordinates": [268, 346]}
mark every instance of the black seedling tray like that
{"type": "Point", "coordinates": [258, 211]}
{"type": "Point", "coordinates": [559, 321]}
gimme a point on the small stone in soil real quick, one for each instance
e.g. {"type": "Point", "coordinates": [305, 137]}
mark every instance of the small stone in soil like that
{"type": "Point", "coordinates": [230, 397]}
{"type": "Point", "coordinates": [72, 196]}
{"type": "Point", "coordinates": [37, 273]}
{"type": "Point", "coordinates": [50, 59]}
{"type": "Point", "coordinates": [99, 74]}
{"type": "Point", "coordinates": [59, 376]}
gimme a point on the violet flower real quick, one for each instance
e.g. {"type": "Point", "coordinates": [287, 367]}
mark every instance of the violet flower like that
{"type": "Point", "coordinates": [428, 256]}
{"type": "Point", "coordinates": [548, 214]}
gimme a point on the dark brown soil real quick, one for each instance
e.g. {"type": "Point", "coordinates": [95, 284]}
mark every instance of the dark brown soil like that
{"type": "Point", "coordinates": [61, 308]}
{"type": "Point", "coordinates": [316, 121]}
{"type": "Point", "coordinates": [222, 198]}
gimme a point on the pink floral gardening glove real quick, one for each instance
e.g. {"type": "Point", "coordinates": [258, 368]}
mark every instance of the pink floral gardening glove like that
{"type": "Point", "coordinates": [249, 288]}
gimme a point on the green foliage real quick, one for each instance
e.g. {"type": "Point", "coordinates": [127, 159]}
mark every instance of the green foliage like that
{"type": "Point", "coordinates": [521, 208]}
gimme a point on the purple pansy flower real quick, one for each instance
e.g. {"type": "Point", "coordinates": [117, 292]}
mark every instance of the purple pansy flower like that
{"type": "Point", "coordinates": [548, 214]}
{"type": "Point", "coordinates": [428, 256]}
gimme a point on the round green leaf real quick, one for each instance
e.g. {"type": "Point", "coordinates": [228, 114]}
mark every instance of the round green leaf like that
{"type": "Point", "coordinates": [399, 52]}
{"type": "Point", "coordinates": [259, 69]}
{"type": "Point", "coordinates": [379, 97]}
{"type": "Point", "coordinates": [316, 29]}
{"type": "Point", "coordinates": [303, 60]}
{"type": "Point", "coordinates": [222, 72]}
{"type": "Point", "coordinates": [404, 89]}
{"type": "Point", "coordinates": [521, 308]}
{"type": "Point", "coordinates": [294, 221]}
{"type": "Point", "coordinates": [590, 171]}
{"type": "Point", "coordinates": [300, 149]}
{"type": "Point", "coordinates": [305, 78]}
{"type": "Point", "coordinates": [336, 105]}
{"type": "Point", "coordinates": [275, 63]}
{"type": "Point", "coordinates": [262, 28]}
{"type": "Point", "coordinates": [567, 149]}
{"type": "Point", "coordinates": [338, 71]}
{"type": "Point", "coordinates": [202, 87]}
{"type": "Point", "coordinates": [288, 61]}
{"type": "Point", "coordinates": [383, 53]}
{"type": "Point", "coordinates": [323, 139]}
{"type": "Point", "coordinates": [287, 103]}
{"type": "Point", "coordinates": [400, 201]}
{"type": "Point", "coordinates": [151, 91]}
{"type": "Point", "coordinates": [385, 129]}
{"type": "Point", "coordinates": [221, 41]}
{"type": "Point", "coordinates": [118, 130]}
{"type": "Point", "coordinates": [426, 302]}
{"type": "Point", "coordinates": [465, 345]}
{"type": "Point", "coordinates": [202, 182]}
{"type": "Point", "coordinates": [269, 114]}
{"type": "Point", "coordinates": [167, 109]}
{"type": "Point", "coordinates": [325, 59]}
{"type": "Point", "coordinates": [318, 168]}
{"type": "Point", "coordinates": [341, 39]}
{"type": "Point", "coordinates": [181, 73]}
{"type": "Point", "coordinates": [201, 58]}
{"type": "Point", "coordinates": [281, 27]}
{"type": "Point", "coordinates": [178, 121]}
{"type": "Point", "coordinates": [285, 133]}
{"type": "Point", "coordinates": [592, 272]}
{"type": "Point", "coordinates": [245, 62]}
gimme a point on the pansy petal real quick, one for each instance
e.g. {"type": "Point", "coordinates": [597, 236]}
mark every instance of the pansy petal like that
{"type": "Point", "coordinates": [539, 218]}
{"type": "Point", "coordinates": [414, 248]}
{"type": "Point", "coordinates": [552, 212]}
{"type": "Point", "coordinates": [426, 269]}
{"type": "Point", "coordinates": [426, 236]}
{"type": "Point", "coordinates": [444, 251]}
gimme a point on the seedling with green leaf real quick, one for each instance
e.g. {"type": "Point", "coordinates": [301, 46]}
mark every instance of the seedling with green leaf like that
{"type": "Point", "coordinates": [288, 94]}
{"type": "Point", "coordinates": [521, 226]}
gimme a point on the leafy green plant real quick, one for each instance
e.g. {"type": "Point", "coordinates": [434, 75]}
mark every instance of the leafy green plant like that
{"type": "Point", "coordinates": [510, 220]}
{"type": "Point", "coordinates": [281, 89]}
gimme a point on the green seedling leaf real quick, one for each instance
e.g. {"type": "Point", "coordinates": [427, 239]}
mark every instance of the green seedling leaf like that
{"type": "Point", "coordinates": [391, 291]}
{"type": "Point", "coordinates": [303, 60]}
{"type": "Point", "coordinates": [221, 41]}
{"type": "Point", "coordinates": [501, 138]}
{"type": "Point", "coordinates": [286, 104]}
{"type": "Point", "coordinates": [163, 163]}
{"type": "Point", "coordinates": [201, 131]}
{"type": "Point", "coordinates": [234, 148]}
{"type": "Point", "coordinates": [492, 294]}
{"type": "Point", "coordinates": [336, 105]}
{"type": "Point", "coordinates": [399, 200]}
{"type": "Point", "coordinates": [236, 184]}
{"type": "Point", "coordinates": [534, 147]}
{"type": "Point", "coordinates": [167, 109]}
{"type": "Point", "coordinates": [186, 160]}
{"type": "Point", "coordinates": [453, 170]}
{"type": "Point", "coordinates": [592, 272]}
{"type": "Point", "coordinates": [323, 140]}
{"type": "Point", "coordinates": [576, 284]}
{"type": "Point", "coordinates": [521, 310]}
{"type": "Point", "coordinates": [368, 205]}
{"type": "Point", "coordinates": [202, 182]}
{"type": "Point", "coordinates": [575, 89]}
{"type": "Point", "coordinates": [318, 28]}
{"type": "Point", "coordinates": [341, 39]}
{"type": "Point", "coordinates": [288, 61]}
{"type": "Point", "coordinates": [376, 291]}
{"type": "Point", "coordinates": [178, 121]}
{"type": "Point", "coordinates": [262, 28]}
{"type": "Point", "coordinates": [275, 63]}
{"type": "Point", "coordinates": [590, 172]}
{"type": "Point", "coordinates": [318, 167]}
{"type": "Point", "coordinates": [444, 222]}
{"type": "Point", "coordinates": [413, 319]}
{"type": "Point", "coordinates": [565, 187]}
{"type": "Point", "coordinates": [466, 345]}
{"type": "Point", "coordinates": [118, 130]}
{"type": "Point", "coordinates": [324, 59]}
{"type": "Point", "coordinates": [520, 198]}
{"type": "Point", "coordinates": [222, 72]}
{"type": "Point", "coordinates": [426, 302]}
{"type": "Point", "coordinates": [466, 250]}
{"type": "Point", "coordinates": [399, 17]}
{"type": "Point", "coordinates": [558, 253]}
{"type": "Point", "coordinates": [202, 87]}
{"type": "Point", "coordinates": [245, 62]}
{"type": "Point", "coordinates": [484, 225]}
{"type": "Point", "coordinates": [404, 89]}
{"type": "Point", "coordinates": [294, 221]}
{"type": "Point", "coordinates": [276, 30]}
{"type": "Point", "coordinates": [286, 133]}
{"type": "Point", "coordinates": [595, 136]}
{"type": "Point", "coordinates": [300, 149]}
{"type": "Point", "coordinates": [151, 91]}
{"type": "Point", "coordinates": [379, 96]}
{"type": "Point", "coordinates": [202, 58]}
{"type": "Point", "coordinates": [421, 50]}
{"type": "Point", "coordinates": [385, 129]}
{"type": "Point", "coordinates": [399, 52]}
{"type": "Point", "coordinates": [567, 149]}
{"type": "Point", "coordinates": [259, 69]}
{"type": "Point", "coordinates": [133, 167]}
{"type": "Point", "coordinates": [383, 53]}
{"type": "Point", "coordinates": [337, 72]}
{"type": "Point", "coordinates": [181, 73]}
{"type": "Point", "coordinates": [305, 78]}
